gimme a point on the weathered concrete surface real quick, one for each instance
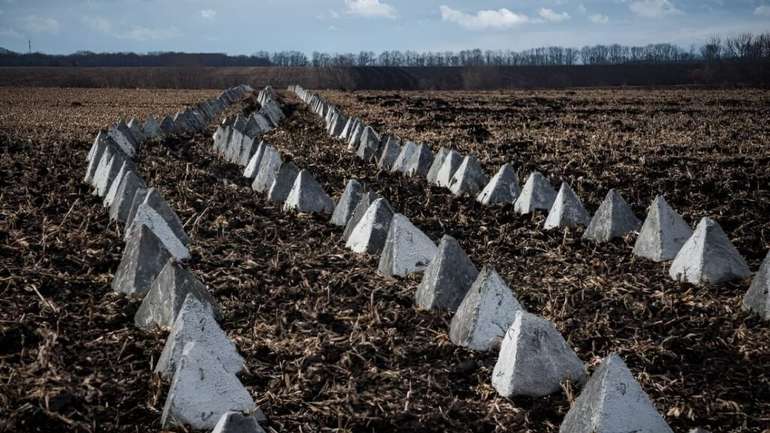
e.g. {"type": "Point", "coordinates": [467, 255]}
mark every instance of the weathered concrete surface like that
{"type": "Point", "coordinates": [663, 233]}
{"type": "Point", "coordinates": [612, 401]}
{"type": "Point", "coordinates": [338, 125]}
{"type": "Point", "coordinates": [613, 219]}
{"type": "Point", "coordinates": [308, 196]}
{"type": "Point", "coordinates": [143, 258]}
{"type": "Point", "coordinates": [121, 135]}
{"type": "Point", "coordinates": [567, 210]}
{"type": "Point", "coordinates": [137, 201]}
{"type": "Point", "coordinates": [345, 133]}
{"type": "Point", "coordinates": [251, 168]}
{"type": "Point", "coordinates": [101, 142]}
{"type": "Point", "coordinates": [435, 166]}
{"type": "Point", "coordinates": [447, 278]}
{"type": "Point", "coordinates": [136, 130]}
{"type": "Point", "coordinates": [451, 163]}
{"type": "Point", "coordinates": [149, 217]}
{"type": "Point", "coordinates": [107, 171]}
{"type": "Point", "coordinates": [408, 148]}
{"type": "Point", "coordinates": [237, 422]}
{"type": "Point", "coordinates": [161, 206]}
{"type": "Point", "coordinates": [708, 257]}
{"type": "Point", "coordinates": [389, 154]}
{"type": "Point", "coordinates": [367, 198]}
{"type": "Point", "coordinates": [112, 191]}
{"type": "Point", "coordinates": [221, 136]}
{"type": "Point", "coordinates": [268, 169]}
{"type": "Point", "coordinates": [757, 298]}
{"type": "Point", "coordinates": [283, 183]}
{"type": "Point", "coordinates": [369, 144]}
{"type": "Point", "coordinates": [537, 194]}
{"type": "Point", "coordinates": [534, 359]}
{"type": "Point", "coordinates": [407, 249]}
{"type": "Point", "coordinates": [502, 189]}
{"type": "Point", "coordinates": [127, 188]}
{"type": "Point", "coordinates": [469, 178]}
{"type": "Point", "coordinates": [248, 147]}
{"type": "Point", "coordinates": [370, 233]}
{"type": "Point", "coordinates": [355, 137]}
{"type": "Point", "coordinates": [347, 203]}
{"type": "Point", "coordinates": [485, 313]}
{"type": "Point", "coordinates": [151, 129]}
{"type": "Point", "coordinates": [167, 126]}
{"type": "Point", "coordinates": [420, 162]}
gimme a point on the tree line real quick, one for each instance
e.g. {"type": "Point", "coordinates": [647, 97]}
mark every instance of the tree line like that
{"type": "Point", "coordinates": [742, 47]}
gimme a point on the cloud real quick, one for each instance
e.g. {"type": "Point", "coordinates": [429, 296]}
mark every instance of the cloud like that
{"type": "Point", "coordinates": [98, 23]}
{"type": "Point", "coordinates": [10, 33]}
{"type": "Point", "coordinates": [653, 8]}
{"type": "Point", "coordinates": [599, 19]}
{"type": "Point", "coordinates": [38, 24]}
{"type": "Point", "coordinates": [370, 8]}
{"type": "Point", "coordinates": [139, 33]}
{"type": "Point", "coordinates": [552, 16]}
{"type": "Point", "coordinates": [582, 9]}
{"type": "Point", "coordinates": [484, 19]}
{"type": "Point", "coordinates": [208, 14]}
{"type": "Point", "coordinates": [762, 11]}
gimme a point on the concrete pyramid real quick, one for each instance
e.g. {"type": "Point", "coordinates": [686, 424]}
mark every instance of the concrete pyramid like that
{"type": "Point", "coordinates": [567, 210]}
{"type": "Point", "coordinates": [121, 135]}
{"type": "Point", "coordinates": [435, 166]}
{"type": "Point", "coordinates": [420, 162]}
{"type": "Point", "coordinates": [101, 142]}
{"type": "Point", "coordinates": [448, 168]}
{"type": "Point", "coordinates": [220, 138]}
{"type": "Point", "coordinates": [346, 129]}
{"type": "Point", "coordinates": [407, 249]}
{"type": "Point", "coordinates": [251, 168]}
{"type": "Point", "coordinates": [613, 219]}
{"type": "Point", "coordinates": [268, 169]}
{"type": "Point", "coordinates": [113, 189]}
{"type": "Point", "coordinates": [284, 181]}
{"type": "Point", "coordinates": [338, 125]}
{"type": "Point", "coordinates": [613, 401]}
{"type": "Point", "coordinates": [151, 129]}
{"type": "Point", "coordinates": [137, 201]}
{"type": "Point", "coordinates": [157, 215]}
{"type": "Point", "coordinates": [663, 233]}
{"type": "Point", "coordinates": [369, 235]}
{"type": "Point", "coordinates": [469, 178]}
{"type": "Point", "coordinates": [237, 422]}
{"type": "Point", "coordinates": [202, 391]}
{"type": "Point", "coordinates": [143, 258]}
{"type": "Point", "coordinates": [503, 188]}
{"type": "Point", "coordinates": [262, 122]}
{"type": "Point", "coordinates": [233, 148]}
{"type": "Point", "coordinates": [163, 301]}
{"type": "Point", "coordinates": [757, 298]}
{"type": "Point", "coordinates": [534, 359]}
{"type": "Point", "coordinates": [369, 144]}
{"type": "Point", "coordinates": [485, 313]}
{"type": "Point", "coordinates": [408, 150]}
{"type": "Point", "coordinates": [195, 323]}
{"type": "Point", "coordinates": [708, 256]}
{"type": "Point", "coordinates": [390, 151]}
{"type": "Point", "coordinates": [367, 198]}
{"type": "Point", "coordinates": [347, 203]}
{"type": "Point", "coordinates": [107, 170]}
{"type": "Point", "coordinates": [136, 130]}
{"type": "Point", "coordinates": [127, 188]}
{"type": "Point", "coordinates": [447, 279]}
{"type": "Point", "coordinates": [167, 126]}
{"type": "Point", "coordinates": [307, 196]}
{"type": "Point", "coordinates": [248, 147]}
{"type": "Point", "coordinates": [355, 137]}
{"type": "Point", "coordinates": [537, 194]}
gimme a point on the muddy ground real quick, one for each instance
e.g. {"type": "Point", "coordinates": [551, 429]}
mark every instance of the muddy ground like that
{"type": "Point", "coordinates": [332, 346]}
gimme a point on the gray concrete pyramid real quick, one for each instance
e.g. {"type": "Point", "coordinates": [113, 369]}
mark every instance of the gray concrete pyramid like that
{"type": "Point", "coordinates": [263, 122]}
{"type": "Point", "coordinates": [447, 279]}
{"type": "Point", "coordinates": [407, 249]}
{"type": "Point", "coordinates": [195, 323]}
{"type": "Point", "coordinates": [127, 188]}
{"type": "Point", "coordinates": [202, 391]}
{"type": "Point", "coordinates": [612, 401]}
{"type": "Point", "coordinates": [268, 169]}
{"type": "Point", "coordinates": [121, 135]}
{"type": "Point", "coordinates": [485, 313]}
{"type": "Point", "coordinates": [613, 219]}
{"type": "Point", "coordinates": [237, 422]}
{"type": "Point", "coordinates": [663, 233]}
{"type": "Point", "coordinates": [338, 125]}
{"type": "Point", "coordinates": [367, 198]}
{"type": "Point", "coordinates": [534, 359]}
{"type": "Point", "coordinates": [567, 210]}
{"type": "Point", "coordinates": [708, 256]}
{"type": "Point", "coordinates": [251, 168]}
{"type": "Point", "coordinates": [157, 215]}
{"type": "Point", "coordinates": [537, 194]}
{"type": "Point", "coordinates": [151, 129]}
{"type": "Point", "coordinates": [168, 291]}
{"type": "Point", "coordinates": [345, 133]}
{"type": "Point", "coordinates": [469, 178]}
{"type": "Point", "coordinates": [283, 183]}
{"type": "Point", "coordinates": [369, 235]}
{"type": "Point", "coordinates": [420, 162]}
{"type": "Point", "coordinates": [233, 148]}
{"type": "Point", "coordinates": [252, 127]}
{"type": "Point", "coordinates": [248, 147]}
{"type": "Point", "coordinates": [451, 163]}
{"type": "Point", "coordinates": [181, 124]}
{"type": "Point", "coordinates": [136, 130]}
{"type": "Point", "coordinates": [389, 154]}
{"type": "Point", "coordinates": [757, 298]}
{"type": "Point", "coordinates": [369, 144]}
{"type": "Point", "coordinates": [502, 189]}
{"type": "Point", "coordinates": [138, 199]}
{"type": "Point", "coordinates": [408, 149]}
{"type": "Point", "coordinates": [115, 183]}
{"type": "Point", "coordinates": [435, 166]}
{"type": "Point", "coordinates": [355, 137]}
{"type": "Point", "coordinates": [167, 126]}
{"type": "Point", "coordinates": [143, 258]}
{"type": "Point", "coordinates": [347, 203]}
{"type": "Point", "coordinates": [107, 170]}
{"type": "Point", "coordinates": [101, 142]}
{"type": "Point", "coordinates": [221, 137]}
{"type": "Point", "coordinates": [307, 196]}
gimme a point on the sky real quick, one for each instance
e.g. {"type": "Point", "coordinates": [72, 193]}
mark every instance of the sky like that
{"type": "Point", "coordinates": [337, 26]}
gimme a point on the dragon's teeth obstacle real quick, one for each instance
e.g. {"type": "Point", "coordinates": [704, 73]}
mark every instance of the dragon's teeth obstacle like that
{"type": "Point", "coordinates": [502, 189]}
{"type": "Point", "coordinates": [447, 278]}
{"type": "Point", "coordinates": [537, 194]}
{"type": "Point", "coordinates": [567, 210]}
{"type": "Point", "coordinates": [663, 233]}
{"type": "Point", "coordinates": [613, 219]}
{"type": "Point", "coordinates": [347, 203]}
{"type": "Point", "coordinates": [143, 259]}
{"type": "Point", "coordinates": [407, 249]}
{"type": "Point", "coordinates": [283, 183]}
{"type": "Point", "coordinates": [370, 233]}
{"type": "Point", "coordinates": [307, 196]}
{"type": "Point", "coordinates": [435, 166]}
{"type": "Point", "coordinates": [757, 298]}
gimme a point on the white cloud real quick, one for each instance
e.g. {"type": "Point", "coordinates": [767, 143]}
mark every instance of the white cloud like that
{"type": "Point", "coordinates": [140, 33]}
{"type": "Point", "coordinates": [483, 19]}
{"type": "Point", "coordinates": [38, 24]}
{"type": "Point", "coordinates": [370, 8]}
{"type": "Point", "coordinates": [599, 19]}
{"type": "Point", "coordinates": [762, 11]}
{"type": "Point", "coordinates": [653, 8]}
{"type": "Point", "coordinates": [10, 33]}
{"type": "Point", "coordinates": [208, 14]}
{"type": "Point", "coordinates": [552, 16]}
{"type": "Point", "coordinates": [98, 23]}
{"type": "Point", "coordinates": [582, 9]}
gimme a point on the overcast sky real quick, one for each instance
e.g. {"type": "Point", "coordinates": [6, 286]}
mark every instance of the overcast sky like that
{"type": "Point", "coordinates": [247, 26]}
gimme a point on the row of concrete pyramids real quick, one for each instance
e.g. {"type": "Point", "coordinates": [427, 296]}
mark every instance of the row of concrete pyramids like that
{"type": "Point", "coordinates": [705, 255]}
{"type": "Point", "coordinates": [198, 357]}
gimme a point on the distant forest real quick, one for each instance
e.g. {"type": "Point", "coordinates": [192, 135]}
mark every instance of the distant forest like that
{"type": "Point", "coordinates": [743, 47]}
